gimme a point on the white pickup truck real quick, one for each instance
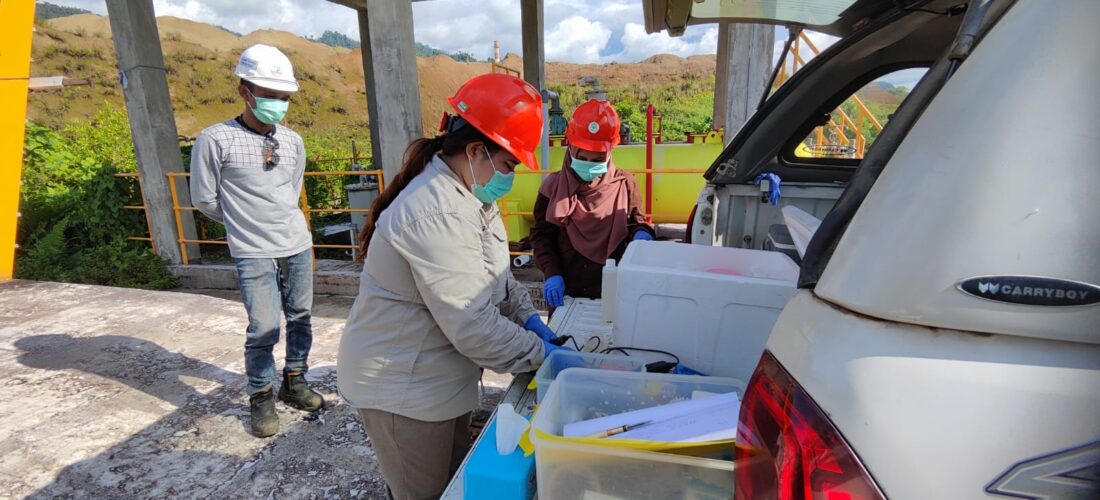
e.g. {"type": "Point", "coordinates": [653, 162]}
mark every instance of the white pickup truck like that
{"type": "Point", "coordinates": [944, 340]}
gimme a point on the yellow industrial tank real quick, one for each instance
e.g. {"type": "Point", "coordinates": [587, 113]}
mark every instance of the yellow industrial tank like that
{"type": "Point", "coordinates": [674, 193]}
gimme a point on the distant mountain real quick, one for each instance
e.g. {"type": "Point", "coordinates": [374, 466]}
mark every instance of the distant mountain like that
{"type": "Point", "coordinates": [199, 59]}
{"type": "Point", "coordinates": [428, 51]}
{"type": "Point", "coordinates": [227, 30]}
{"type": "Point", "coordinates": [334, 39]}
{"type": "Point", "coordinates": [44, 11]}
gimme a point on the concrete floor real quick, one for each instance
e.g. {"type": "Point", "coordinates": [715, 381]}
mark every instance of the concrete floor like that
{"type": "Point", "coordinates": [122, 393]}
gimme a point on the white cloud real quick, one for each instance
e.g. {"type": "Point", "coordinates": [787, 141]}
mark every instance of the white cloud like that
{"type": "Point", "coordinates": [576, 30]}
{"type": "Point", "coordinates": [576, 39]}
{"type": "Point", "coordinates": [469, 26]}
{"type": "Point", "coordinates": [638, 45]}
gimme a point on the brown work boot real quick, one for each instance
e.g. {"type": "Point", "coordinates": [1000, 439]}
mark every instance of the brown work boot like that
{"type": "Point", "coordinates": [297, 394]}
{"type": "Point", "coordinates": [265, 422]}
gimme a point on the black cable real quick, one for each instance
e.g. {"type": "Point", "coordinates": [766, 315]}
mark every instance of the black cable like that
{"type": "Point", "coordinates": [625, 350]}
{"type": "Point", "coordinates": [561, 340]}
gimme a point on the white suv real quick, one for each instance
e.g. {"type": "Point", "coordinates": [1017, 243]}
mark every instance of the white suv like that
{"type": "Point", "coordinates": [945, 339]}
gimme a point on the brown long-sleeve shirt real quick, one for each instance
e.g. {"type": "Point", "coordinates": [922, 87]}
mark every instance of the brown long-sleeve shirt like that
{"type": "Point", "coordinates": [555, 255]}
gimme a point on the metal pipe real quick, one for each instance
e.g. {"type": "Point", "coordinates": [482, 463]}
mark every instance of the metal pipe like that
{"type": "Point", "coordinates": [544, 146]}
{"type": "Point", "coordinates": [649, 110]}
{"type": "Point", "coordinates": [792, 35]}
{"type": "Point", "coordinates": [176, 211]}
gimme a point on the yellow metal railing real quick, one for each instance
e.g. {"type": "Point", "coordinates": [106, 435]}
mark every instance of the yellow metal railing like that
{"type": "Point", "coordinates": [500, 68]}
{"type": "Point", "coordinates": [178, 209]}
{"type": "Point", "coordinates": [863, 117]}
{"type": "Point", "coordinates": [142, 207]}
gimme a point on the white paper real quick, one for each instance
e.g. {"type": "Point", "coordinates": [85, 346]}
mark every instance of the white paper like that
{"type": "Point", "coordinates": [718, 423]}
{"type": "Point", "coordinates": [684, 421]}
{"type": "Point", "coordinates": [510, 428]}
{"type": "Point", "coordinates": [802, 226]}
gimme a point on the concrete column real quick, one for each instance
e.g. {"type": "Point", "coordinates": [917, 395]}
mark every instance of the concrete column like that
{"type": "Point", "coordinates": [721, 77]}
{"type": "Point", "coordinates": [534, 52]}
{"type": "Point", "coordinates": [152, 124]}
{"type": "Point", "coordinates": [393, 87]}
{"type": "Point", "coordinates": [750, 48]}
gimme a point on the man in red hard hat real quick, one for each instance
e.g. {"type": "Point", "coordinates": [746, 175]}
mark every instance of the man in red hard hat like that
{"type": "Point", "coordinates": [587, 212]}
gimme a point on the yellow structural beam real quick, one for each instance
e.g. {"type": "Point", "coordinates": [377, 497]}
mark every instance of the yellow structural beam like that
{"type": "Point", "coordinates": [16, 26]}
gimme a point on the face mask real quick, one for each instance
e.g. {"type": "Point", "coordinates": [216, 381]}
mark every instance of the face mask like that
{"type": "Point", "coordinates": [588, 171]}
{"type": "Point", "coordinates": [269, 111]}
{"type": "Point", "coordinates": [498, 186]}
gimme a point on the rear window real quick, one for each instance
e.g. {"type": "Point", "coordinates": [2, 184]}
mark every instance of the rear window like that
{"type": "Point", "coordinates": [816, 12]}
{"type": "Point", "coordinates": [853, 126]}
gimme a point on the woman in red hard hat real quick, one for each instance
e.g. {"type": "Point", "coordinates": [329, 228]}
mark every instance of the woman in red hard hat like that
{"type": "Point", "coordinates": [437, 300]}
{"type": "Point", "coordinates": [587, 212]}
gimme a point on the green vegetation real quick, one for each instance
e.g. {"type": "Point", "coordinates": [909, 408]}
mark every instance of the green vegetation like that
{"type": "Point", "coordinates": [427, 51]}
{"type": "Point", "coordinates": [879, 109]}
{"type": "Point", "coordinates": [44, 11]}
{"type": "Point", "coordinates": [685, 107]}
{"type": "Point", "coordinates": [334, 39]}
{"type": "Point", "coordinates": [73, 226]}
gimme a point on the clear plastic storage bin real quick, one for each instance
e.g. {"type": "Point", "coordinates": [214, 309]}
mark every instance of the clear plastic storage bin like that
{"type": "Point", "coordinates": [569, 471]}
{"type": "Point", "coordinates": [561, 359]}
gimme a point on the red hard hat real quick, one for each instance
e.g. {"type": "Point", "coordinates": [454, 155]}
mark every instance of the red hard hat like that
{"type": "Point", "coordinates": [504, 108]}
{"type": "Point", "coordinates": [594, 127]}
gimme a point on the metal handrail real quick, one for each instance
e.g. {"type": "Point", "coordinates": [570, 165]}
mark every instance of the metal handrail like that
{"type": "Point", "coordinates": [505, 69]}
{"type": "Point", "coordinates": [177, 209]}
{"type": "Point", "coordinates": [863, 114]}
{"type": "Point", "coordinates": [142, 207]}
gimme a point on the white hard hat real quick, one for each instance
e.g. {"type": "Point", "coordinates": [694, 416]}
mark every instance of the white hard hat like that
{"type": "Point", "coordinates": [267, 67]}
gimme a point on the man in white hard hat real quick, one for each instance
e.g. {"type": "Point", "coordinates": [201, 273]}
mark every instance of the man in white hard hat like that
{"type": "Point", "coordinates": [247, 172]}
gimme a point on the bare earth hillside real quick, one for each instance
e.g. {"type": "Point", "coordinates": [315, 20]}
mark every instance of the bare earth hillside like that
{"type": "Point", "coordinates": [199, 60]}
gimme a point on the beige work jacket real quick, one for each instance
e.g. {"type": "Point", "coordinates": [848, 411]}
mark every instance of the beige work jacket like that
{"type": "Point", "coordinates": [437, 301]}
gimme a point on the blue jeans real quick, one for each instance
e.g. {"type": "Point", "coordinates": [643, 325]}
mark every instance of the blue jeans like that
{"type": "Point", "coordinates": [268, 287]}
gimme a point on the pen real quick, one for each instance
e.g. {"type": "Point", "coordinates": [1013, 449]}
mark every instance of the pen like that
{"type": "Point", "coordinates": [618, 430]}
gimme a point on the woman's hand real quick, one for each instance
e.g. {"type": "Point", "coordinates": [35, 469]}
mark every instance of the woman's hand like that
{"type": "Point", "coordinates": [549, 348]}
{"type": "Point", "coordinates": [554, 291]}
{"type": "Point", "coordinates": [535, 324]}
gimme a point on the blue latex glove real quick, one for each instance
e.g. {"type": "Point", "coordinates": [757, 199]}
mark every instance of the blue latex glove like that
{"type": "Point", "coordinates": [773, 186]}
{"type": "Point", "coordinates": [535, 324]}
{"type": "Point", "coordinates": [551, 348]}
{"type": "Point", "coordinates": [642, 235]}
{"type": "Point", "coordinates": [554, 291]}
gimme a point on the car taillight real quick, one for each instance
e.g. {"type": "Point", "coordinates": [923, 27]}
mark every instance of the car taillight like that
{"type": "Point", "coordinates": [793, 452]}
{"type": "Point", "coordinates": [690, 224]}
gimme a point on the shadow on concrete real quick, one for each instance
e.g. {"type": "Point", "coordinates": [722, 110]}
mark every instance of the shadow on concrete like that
{"type": "Point", "coordinates": [202, 449]}
{"type": "Point", "coordinates": [138, 363]}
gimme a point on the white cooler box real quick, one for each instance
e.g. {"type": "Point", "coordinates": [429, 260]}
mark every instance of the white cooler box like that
{"type": "Point", "coordinates": [714, 307]}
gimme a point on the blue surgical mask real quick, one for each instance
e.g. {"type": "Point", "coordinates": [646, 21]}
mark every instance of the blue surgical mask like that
{"type": "Point", "coordinates": [269, 111]}
{"type": "Point", "coordinates": [588, 171]}
{"type": "Point", "coordinates": [498, 186]}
